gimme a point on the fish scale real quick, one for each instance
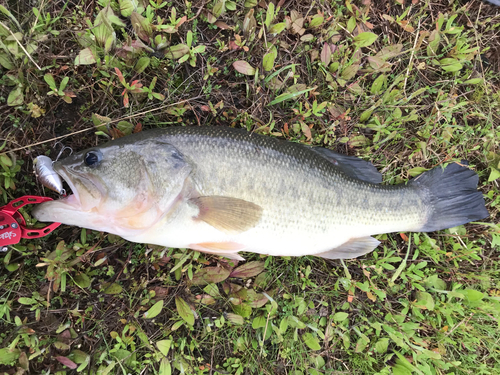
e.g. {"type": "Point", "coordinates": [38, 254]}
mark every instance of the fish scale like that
{"type": "Point", "coordinates": [222, 190]}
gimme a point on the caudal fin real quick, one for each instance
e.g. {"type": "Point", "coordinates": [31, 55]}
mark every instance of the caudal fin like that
{"type": "Point", "coordinates": [453, 196]}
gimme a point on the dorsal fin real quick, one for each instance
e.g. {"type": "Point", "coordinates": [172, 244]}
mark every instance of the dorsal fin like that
{"type": "Point", "coordinates": [351, 165]}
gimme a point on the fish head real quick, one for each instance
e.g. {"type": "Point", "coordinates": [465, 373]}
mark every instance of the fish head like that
{"type": "Point", "coordinates": [122, 186]}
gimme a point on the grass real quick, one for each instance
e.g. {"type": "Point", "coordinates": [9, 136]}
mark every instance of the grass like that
{"type": "Point", "coordinates": [407, 86]}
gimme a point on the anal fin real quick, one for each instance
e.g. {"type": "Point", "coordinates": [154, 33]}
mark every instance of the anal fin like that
{"type": "Point", "coordinates": [353, 248]}
{"type": "Point", "coordinates": [224, 249]}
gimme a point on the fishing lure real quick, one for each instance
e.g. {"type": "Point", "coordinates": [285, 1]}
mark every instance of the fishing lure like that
{"type": "Point", "coordinates": [46, 175]}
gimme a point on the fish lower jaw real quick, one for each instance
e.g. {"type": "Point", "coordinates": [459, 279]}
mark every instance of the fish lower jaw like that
{"type": "Point", "coordinates": [73, 201]}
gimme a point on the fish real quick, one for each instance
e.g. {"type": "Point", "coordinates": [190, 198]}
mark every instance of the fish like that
{"type": "Point", "coordinates": [222, 191]}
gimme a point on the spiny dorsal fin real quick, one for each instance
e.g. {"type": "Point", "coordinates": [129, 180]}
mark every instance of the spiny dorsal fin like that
{"type": "Point", "coordinates": [353, 248]}
{"type": "Point", "coordinates": [231, 215]}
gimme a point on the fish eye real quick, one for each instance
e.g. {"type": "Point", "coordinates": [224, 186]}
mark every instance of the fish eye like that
{"type": "Point", "coordinates": [93, 158]}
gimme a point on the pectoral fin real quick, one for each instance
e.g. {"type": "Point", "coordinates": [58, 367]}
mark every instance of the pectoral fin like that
{"type": "Point", "coordinates": [353, 248]}
{"type": "Point", "coordinates": [223, 249]}
{"type": "Point", "coordinates": [231, 215]}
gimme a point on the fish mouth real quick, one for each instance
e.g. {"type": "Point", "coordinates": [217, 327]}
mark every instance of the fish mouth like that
{"type": "Point", "coordinates": [74, 197]}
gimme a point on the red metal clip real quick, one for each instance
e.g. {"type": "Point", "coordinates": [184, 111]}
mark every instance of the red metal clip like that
{"type": "Point", "coordinates": [13, 225]}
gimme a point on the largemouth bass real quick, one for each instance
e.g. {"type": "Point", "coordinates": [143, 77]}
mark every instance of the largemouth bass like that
{"type": "Point", "coordinates": [221, 190]}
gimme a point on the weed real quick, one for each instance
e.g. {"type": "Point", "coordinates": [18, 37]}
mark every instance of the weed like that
{"type": "Point", "coordinates": [407, 87]}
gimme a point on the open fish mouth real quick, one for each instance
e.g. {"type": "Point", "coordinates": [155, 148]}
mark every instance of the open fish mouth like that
{"type": "Point", "coordinates": [82, 201]}
{"type": "Point", "coordinates": [72, 197]}
{"type": "Point", "coordinates": [81, 194]}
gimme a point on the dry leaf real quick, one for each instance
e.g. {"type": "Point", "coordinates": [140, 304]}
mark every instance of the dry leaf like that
{"type": "Point", "coordinates": [244, 68]}
{"type": "Point", "coordinates": [223, 25]}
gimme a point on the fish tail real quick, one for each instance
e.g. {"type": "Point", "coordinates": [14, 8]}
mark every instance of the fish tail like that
{"type": "Point", "coordinates": [453, 194]}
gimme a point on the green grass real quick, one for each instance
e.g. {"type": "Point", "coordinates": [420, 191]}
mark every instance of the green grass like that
{"type": "Point", "coordinates": [407, 87]}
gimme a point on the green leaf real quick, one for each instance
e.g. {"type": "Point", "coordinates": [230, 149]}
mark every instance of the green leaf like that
{"type": "Point", "coordinates": [64, 83]}
{"type": "Point", "coordinates": [112, 289]}
{"type": "Point", "coordinates": [424, 301]}
{"type": "Point", "coordinates": [126, 7]}
{"type": "Point", "coordinates": [316, 21]}
{"type": "Point", "coordinates": [311, 341]}
{"type": "Point", "coordinates": [184, 310]}
{"type": "Point", "coordinates": [472, 295]}
{"type": "Point", "coordinates": [5, 61]}
{"type": "Point", "coordinates": [268, 61]}
{"type": "Point", "coordinates": [142, 64]}
{"type": "Point", "coordinates": [244, 68]}
{"type": "Point", "coordinates": [435, 282]}
{"type": "Point", "coordinates": [12, 267]}
{"type": "Point", "coordinates": [164, 346]}
{"type": "Point", "coordinates": [218, 8]}
{"type": "Point", "coordinates": [399, 369]}
{"type": "Point", "coordinates": [16, 97]}
{"type": "Point", "coordinates": [351, 24]}
{"type": "Point", "coordinates": [366, 115]}
{"type": "Point", "coordinates": [5, 160]}
{"type": "Point", "coordinates": [340, 316]}
{"type": "Point", "coordinates": [259, 322]}
{"type": "Point", "coordinates": [250, 3]}
{"type": "Point", "coordinates": [154, 310]}
{"type": "Point", "coordinates": [494, 174]}
{"type": "Point", "coordinates": [50, 81]}
{"type": "Point", "coordinates": [84, 364]}
{"type": "Point", "coordinates": [288, 96]}
{"type": "Point", "coordinates": [473, 81]}
{"type": "Point", "coordinates": [61, 345]}
{"type": "Point", "coordinates": [365, 39]}
{"type": "Point", "coordinates": [183, 59]}
{"type": "Point", "coordinates": [378, 84]}
{"type": "Point", "coordinates": [450, 64]}
{"type": "Point", "coordinates": [165, 368]}
{"type": "Point", "coordinates": [85, 57]}
{"type": "Point", "coordinates": [82, 280]}
{"type": "Point", "coordinates": [126, 127]}
{"type": "Point", "coordinates": [26, 301]}
{"type": "Point", "coordinates": [176, 51]}
{"type": "Point", "coordinates": [9, 14]}
{"type": "Point", "coordinates": [414, 172]}
{"type": "Point", "coordinates": [382, 345]}
{"type": "Point", "coordinates": [361, 344]}
{"type": "Point", "coordinates": [269, 15]}
{"type": "Point", "coordinates": [236, 319]}
{"type": "Point", "coordinates": [122, 354]}
{"type": "Point", "coordinates": [243, 310]}
{"type": "Point", "coordinates": [277, 28]}
{"type": "Point", "coordinates": [433, 45]}
{"type": "Point", "coordinates": [349, 72]}
{"type": "Point", "coordinates": [199, 49]}
{"type": "Point", "coordinates": [79, 356]}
